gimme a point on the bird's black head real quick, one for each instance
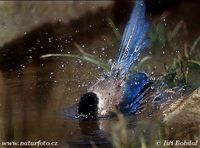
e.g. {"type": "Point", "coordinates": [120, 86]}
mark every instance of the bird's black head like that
{"type": "Point", "coordinates": [87, 107]}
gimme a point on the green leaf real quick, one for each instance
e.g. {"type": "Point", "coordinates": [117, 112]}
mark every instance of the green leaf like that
{"type": "Point", "coordinates": [194, 62]}
{"type": "Point", "coordinates": [114, 28]}
{"type": "Point", "coordinates": [141, 62]}
{"type": "Point", "coordinates": [175, 31]}
{"type": "Point", "coordinates": [195, 44]}
{"type": "Point", "coordinates": [89, 58]}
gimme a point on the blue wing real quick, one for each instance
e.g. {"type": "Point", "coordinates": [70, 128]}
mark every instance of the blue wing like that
{"type": "Point", "coordinates": [134, 90]}
{"type": "Point", "coordinates": [133, 40]}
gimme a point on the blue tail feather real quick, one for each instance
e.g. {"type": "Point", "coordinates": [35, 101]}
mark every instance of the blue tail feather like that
{"type": "Point", "coordinates": [134, 91]}
{"type": "Point", "coordinates": [133, 41]}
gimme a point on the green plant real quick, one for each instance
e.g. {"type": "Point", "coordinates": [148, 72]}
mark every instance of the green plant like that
{"type": "Point", "coordinates": [148, 135]}
{"type": "Point", "coordinates": [176, 72]}
{"type": "Point", "coordinates": [93, 59]}
{"type": "Point", "coordinates": [123, 137]}
{"type": "Point", "coordinates": [83, 56]}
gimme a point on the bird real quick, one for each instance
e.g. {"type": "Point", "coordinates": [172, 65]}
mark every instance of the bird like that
{"type": "Point", "coordinates": [119, 89]}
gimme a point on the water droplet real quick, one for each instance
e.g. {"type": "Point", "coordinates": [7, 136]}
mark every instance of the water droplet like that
{"type": "Point", "coordinates": [110, 62]}
{"type": "Point", "coordinates": [60, 20]}
{"type": "Point", "coordinates": [49, 39]}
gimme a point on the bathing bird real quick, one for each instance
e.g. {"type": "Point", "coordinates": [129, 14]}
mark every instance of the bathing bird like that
{"type": "Point", "coordinates": [120, 89]}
